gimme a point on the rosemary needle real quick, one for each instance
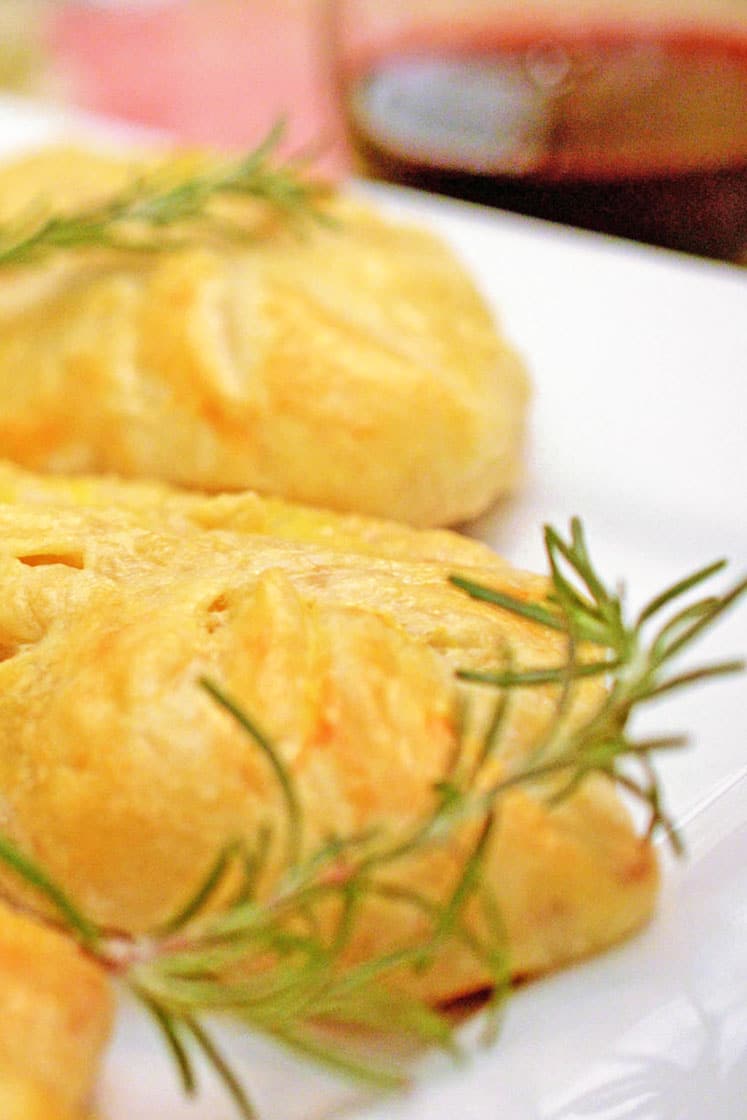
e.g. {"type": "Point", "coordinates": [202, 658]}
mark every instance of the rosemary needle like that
{"type": "Point", "coordinates": [292, 982]}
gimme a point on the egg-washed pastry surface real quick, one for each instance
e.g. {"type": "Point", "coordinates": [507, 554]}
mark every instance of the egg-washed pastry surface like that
{"type": "Point", "coordinates": [340, 636]}
{"type": "Point", "coordinates": [349, 364]}
{"type": "Point", "coordinates": [56, 1016]}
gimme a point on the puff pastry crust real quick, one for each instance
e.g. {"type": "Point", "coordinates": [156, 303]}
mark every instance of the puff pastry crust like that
{"type": "Point", "coordinates": [56, 1016]}
{"type": "Point", "coordinates": [340, 635]}
{"type": "Point", "coordinates": [352, 366]}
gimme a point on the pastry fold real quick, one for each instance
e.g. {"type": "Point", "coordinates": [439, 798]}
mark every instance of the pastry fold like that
{"type": "Point", "coordinates": [340, 636]}
{"type": "Point", "coordinates": [349, 364]}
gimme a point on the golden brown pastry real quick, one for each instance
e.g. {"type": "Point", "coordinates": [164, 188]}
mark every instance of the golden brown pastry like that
{"type": "Point", "coordinates": [340, 636]}
{"type": "Point", "coordinates": [56, 1014]}
{"type": "Point", "coordinates": [351, 366]}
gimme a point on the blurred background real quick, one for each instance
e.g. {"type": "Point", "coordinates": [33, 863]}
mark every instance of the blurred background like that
{"type": "Point", "coordinates": [215, 72]}
{"type": "Point", "coordinates": [627, 116]}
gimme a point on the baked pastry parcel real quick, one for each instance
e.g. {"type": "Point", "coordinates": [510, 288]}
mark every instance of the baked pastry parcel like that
{"type": "Point", "coordinates": [56, 1014]}
{"type": "Point", "coordinates": [340, 636]}
{"type": "Point", "coordinates": [349, 363]}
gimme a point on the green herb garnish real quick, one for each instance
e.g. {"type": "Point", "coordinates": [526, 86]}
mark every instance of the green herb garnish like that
{"type": "Point", "coordinates": [273, 959]}
{"type": "Point", "coordinates": [635, 660]}
{"type": "Point", "coordinates": [139, 218]}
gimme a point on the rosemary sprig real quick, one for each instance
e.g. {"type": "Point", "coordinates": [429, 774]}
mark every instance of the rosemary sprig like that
{"type": "Point", "coordinates": [635, 662]}
{"type": "Point", "coordinates": [140, 217]}
{"type": "Point", "coordinates": [273, 959]}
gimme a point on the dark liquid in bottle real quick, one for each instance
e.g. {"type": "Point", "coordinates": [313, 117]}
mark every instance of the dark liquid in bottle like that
{"type": "Point", "coordinates": [644, 137]}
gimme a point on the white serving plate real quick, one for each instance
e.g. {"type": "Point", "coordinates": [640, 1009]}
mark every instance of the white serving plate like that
{"type": "Point", "coordinates": [639, 362]}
